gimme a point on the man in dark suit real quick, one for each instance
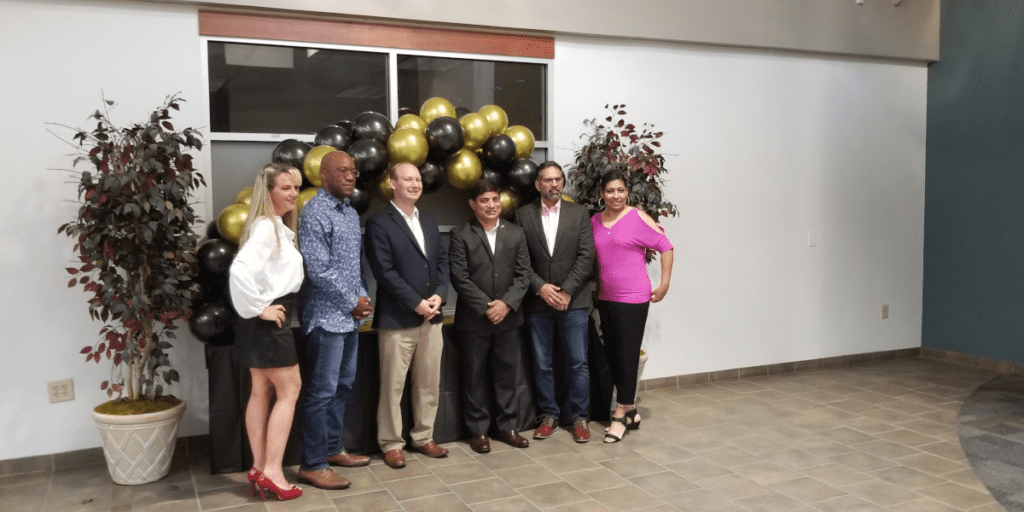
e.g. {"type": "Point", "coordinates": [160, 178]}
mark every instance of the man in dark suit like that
{"type": "Point", "coordinates": [410, 265]}
{"type": "Point", "coordinates": [490, 270]}
{"type": "Point", "coordinates": [561, 244]}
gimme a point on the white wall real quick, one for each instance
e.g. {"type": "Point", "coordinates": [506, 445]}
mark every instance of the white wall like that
{"type": "Point", "coordinates": [764, 147]}
{"type": "Point", "coordinates": [54, 72]}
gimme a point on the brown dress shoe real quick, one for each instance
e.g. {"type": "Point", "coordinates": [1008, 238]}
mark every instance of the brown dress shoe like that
{"type": "Point", "coordinates": [394, 458]}
{"type": "Point", "coordinates": [431, 449]}
{"type": "Point", "coordinates": [348, 460]}
{"type": "Point", "coordinates": [324, 478]}
{"type": "Point", "coordinates": [480, 444]}
{"type": "Point", "coordinates": [513, 438]}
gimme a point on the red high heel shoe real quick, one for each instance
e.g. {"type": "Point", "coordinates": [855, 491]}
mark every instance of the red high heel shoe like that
{"type": "Point", "coordinates": [253, 476]}
{"type": "Point", "coordinates": [267, 484]}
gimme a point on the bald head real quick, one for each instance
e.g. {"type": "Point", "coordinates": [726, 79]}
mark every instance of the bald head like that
{"type": "Point", "coordinates": [338, 174]}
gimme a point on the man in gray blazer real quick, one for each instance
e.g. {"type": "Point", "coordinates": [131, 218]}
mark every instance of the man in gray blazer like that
{"type": "Point", "coordinates": [561, 244]}
{"type": "Point", "coordinates": [490, 270]}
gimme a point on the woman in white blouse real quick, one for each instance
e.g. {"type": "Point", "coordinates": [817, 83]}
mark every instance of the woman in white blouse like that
{"type": "Point", "coordinates": [265, 275]}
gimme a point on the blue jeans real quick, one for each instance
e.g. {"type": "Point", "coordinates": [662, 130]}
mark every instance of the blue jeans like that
{"type": "Point", "coordinates": [331, 357]}
{"type": "Point", "coordinates": [572, 331]}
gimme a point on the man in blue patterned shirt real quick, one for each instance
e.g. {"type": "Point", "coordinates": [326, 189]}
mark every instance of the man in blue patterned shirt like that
{"type": "Point", "coordinates": [333, 302]}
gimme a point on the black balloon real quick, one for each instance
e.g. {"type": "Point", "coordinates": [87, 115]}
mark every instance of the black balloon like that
{"type": "Point", "coordinates": [406, 110]}
{"type": "Point", "coordinates": [522, 176]}
{"type": "Point", "coordinates": [372, 126]}
{"type": "Point", "coordinates": [291, 152]}
{"type": "Point", "coordinates": [461, 111]}
{"type": "Point", "coordinates": [212, 233]}
{"type": "Point", "coordinates": [444, 137]}
{"type": "Point", "coordinates": [360, 200]}
{"type": "Point", "coordinates": [215, 256]}
{"type": "Point", "coordinates": [210, 320]}
{"type": "Point", "coordinates": [370, 157]}
{"type": "Point", "coordinates": [345, 123]}
{"type": "Point", "coordinates": [432, 175]}
{"type": "Point", "coordinates": [499, 152]}
{"type": "Point", "coordinates": [335, 136]}
{"type": "Point", "coordinates": [493, 176]}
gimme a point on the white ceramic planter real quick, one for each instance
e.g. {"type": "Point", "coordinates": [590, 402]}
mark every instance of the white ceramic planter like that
{"type": "Point", "coordinates": [138, 448]}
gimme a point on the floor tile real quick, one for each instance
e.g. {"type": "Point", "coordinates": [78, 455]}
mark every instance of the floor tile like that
{"type": "Point", "coordinates": [483, 490]}
{"type": "Point", "coordinates": [552, 494]}
{"type": "Point", "coordinates": [374, 501]}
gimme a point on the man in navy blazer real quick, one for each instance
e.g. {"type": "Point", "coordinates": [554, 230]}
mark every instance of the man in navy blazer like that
{"type": "Point", "coordinates": [490, 272]}
{"type": "Point", "coordinates": [410, 264]}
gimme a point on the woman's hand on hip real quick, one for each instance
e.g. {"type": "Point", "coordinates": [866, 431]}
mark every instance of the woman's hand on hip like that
{"type": "Point", "coordinates": [273, 313]}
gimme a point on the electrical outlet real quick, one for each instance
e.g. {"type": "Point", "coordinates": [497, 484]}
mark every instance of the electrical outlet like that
{"type": "Point", "coordinates": [885, 311]}
{"type": "Point", "coordinates": [61, 390]}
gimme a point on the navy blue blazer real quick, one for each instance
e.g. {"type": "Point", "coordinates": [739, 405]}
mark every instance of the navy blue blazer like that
{"type": "Point", "coordinates": [405, 276]}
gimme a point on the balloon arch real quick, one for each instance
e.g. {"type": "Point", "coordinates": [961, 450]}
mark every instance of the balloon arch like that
{"type": "Point", "coordinates": [443, 144]}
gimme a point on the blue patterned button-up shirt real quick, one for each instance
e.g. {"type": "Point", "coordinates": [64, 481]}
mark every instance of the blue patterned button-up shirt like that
{"type": "Point", "coordinates": [331, 247]}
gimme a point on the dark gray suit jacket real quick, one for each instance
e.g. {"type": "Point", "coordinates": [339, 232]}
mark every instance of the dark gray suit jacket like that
{"type": "Point", "coordinates": [405, 276]}
{"type": "Point", "coordinates": [571, 264]}
{"type": "Point", "coordinates": [480, 276]}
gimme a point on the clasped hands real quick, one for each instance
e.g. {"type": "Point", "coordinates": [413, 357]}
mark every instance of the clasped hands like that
{"type": "Point", "coordinates": [429, 308]}
{"type": "Point", "coordinates": [555, 297]}
{"type": "Point", "coordinates": [362, 309]}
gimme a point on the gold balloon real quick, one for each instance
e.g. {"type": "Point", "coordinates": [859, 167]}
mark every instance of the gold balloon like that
{"type": "Point", "coordinates": [311, 164]}
{"type": "Point", "coordinates": [435, 108]}
{"type": "Point", "coordinates": [231, 221]}
{"type": "Point", "coordinates": [411, 121]}
{"type": "Point", "coordinates": [464, 169]}
{"type": "Point", "coordinates": [496, 118]}
{"type": "Point", "coordinates": [304, 196]}
{"type": "Point", "coordinates": [523, 138]}
{"type": "Point", "coordinates": [244, 196]}
{"type": "Point", "coordinates": [567, 198]}
{"type": "Point", "coordinates": [476, 129]}
{"type": "Point", "coordinates": [407, 145]}
{"type": "Point", "coordinates": [384, 190]}
{"type": "Point", "coordinates": [509, 202]}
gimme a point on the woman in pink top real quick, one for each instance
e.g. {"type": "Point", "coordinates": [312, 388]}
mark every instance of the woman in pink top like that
{"type": "Point", "coordinates": [622, 236]}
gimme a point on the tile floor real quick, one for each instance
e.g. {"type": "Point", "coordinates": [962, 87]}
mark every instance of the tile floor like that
{"type": "Point", "coordinates": [872, 437]}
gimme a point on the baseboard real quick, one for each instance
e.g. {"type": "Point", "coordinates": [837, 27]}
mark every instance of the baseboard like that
{"type": "Point", "coordinates": [776, 369]}
{"type": "Point", "coordinates": [89, 456]}
{"type": "Point", "coordinates": [984, 363]}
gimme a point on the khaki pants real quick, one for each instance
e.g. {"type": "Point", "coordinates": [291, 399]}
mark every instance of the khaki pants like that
{"type": "Point", "coordinates": [418, 348]}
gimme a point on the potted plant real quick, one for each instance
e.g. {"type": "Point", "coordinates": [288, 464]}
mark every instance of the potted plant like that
{"type": "Point", "coordinates": [136, 246]}
{"type": "Point", "coordinates": [624, 147]}
{"type": "Point", "coordinates": [633, 151]}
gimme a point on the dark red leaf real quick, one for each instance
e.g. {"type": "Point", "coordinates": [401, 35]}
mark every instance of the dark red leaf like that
{"type": "Point", "coordinates": [117, 388]}
{"type": "Point", "coordinates": [89, 357]}
{"type": "Point", "coordinates": [609, 119]}
{"type": "Point", "coordinates": [620, 123]}
{"type": "Point", "coordinates": [86, 350]}
{"type": "Point", "coordinates": [117, 359]}
{"type": "Point", "coordinates": [621, 112]}
{"type": "Point", "coordinates": [655, 143]}
{"type": "Point", "coordinates": [72, 270]}
{"type": "Point", "coordinates": [110, 393]}
{"type": "Point", "coordinates": [71, 283]}
{"type": "Point", "coordinates": [101, 348]}
{"type": "Point", "coordinates": [83, 280]}
{"type": "Point", "coordinates": [104, 384]}
{"type": "Point", "coordinates": [167, 124]}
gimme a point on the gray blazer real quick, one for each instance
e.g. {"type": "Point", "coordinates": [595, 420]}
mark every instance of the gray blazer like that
{"type": "Point", "coordinates": [571, 265]}
{"type": "Point", "coordinates": [480, 276]}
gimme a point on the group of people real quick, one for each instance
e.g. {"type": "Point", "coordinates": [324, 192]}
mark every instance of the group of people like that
{"type": "Point", "coordinates": [536, 270]}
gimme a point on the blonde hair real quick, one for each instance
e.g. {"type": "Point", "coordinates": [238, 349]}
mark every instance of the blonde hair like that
{"type": "Point", "coordinates": [262, 206]}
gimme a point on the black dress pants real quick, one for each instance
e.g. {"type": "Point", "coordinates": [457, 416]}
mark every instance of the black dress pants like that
{"type": "Point", "coordinates": [489, 363]}
{"type": "Point", "coordinates": [623, 325]}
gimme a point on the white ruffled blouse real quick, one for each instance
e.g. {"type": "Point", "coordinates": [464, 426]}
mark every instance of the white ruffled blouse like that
{"type": "Point", "coordinates": [265, 268]}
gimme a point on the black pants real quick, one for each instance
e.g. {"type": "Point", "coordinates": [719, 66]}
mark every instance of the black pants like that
{"type": "Point", "coordinates": [494, 352]}
{"type": "Point", "coordinates": [622, 326]}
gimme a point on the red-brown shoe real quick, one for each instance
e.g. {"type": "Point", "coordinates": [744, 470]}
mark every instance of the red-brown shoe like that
{"type": "Point", "coordinates": [348, 460]}
{"type": "Point", "coordinates": [394, 458]}
{"type": "Point", "coordinates": [324, 478]}
{"type": "Point", "coordinates": [513, 439]}
{"type": "Point", "coordinates": [548, 426]}
{"type": "Point", "coordinates": [431, 449]}
{"type": "Point", "coordinates": [480, 443]}
{"type": "Point", "coordinates": [580, 430]}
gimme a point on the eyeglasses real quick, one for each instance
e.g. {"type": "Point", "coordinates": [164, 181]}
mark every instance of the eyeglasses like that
{"type": "Point", "coordinates": [550, 181]}
{"type": "Point", "coordinates": [349, 170]}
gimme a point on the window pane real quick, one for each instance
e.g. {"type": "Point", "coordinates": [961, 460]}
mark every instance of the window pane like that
{"type": "Point", "coordinates": [285, 89]}
{"type": "Point", "coordinates": [518, 88]}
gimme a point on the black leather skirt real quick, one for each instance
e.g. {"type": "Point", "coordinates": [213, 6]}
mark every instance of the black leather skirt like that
{"type": "Point", "coordinates": [261, 343]}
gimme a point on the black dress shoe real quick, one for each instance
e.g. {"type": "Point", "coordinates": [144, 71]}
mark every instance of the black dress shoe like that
{"type": "Point", "coordinates": [513, 438]}
{"type": "Point", "coordinates": [480, 444]}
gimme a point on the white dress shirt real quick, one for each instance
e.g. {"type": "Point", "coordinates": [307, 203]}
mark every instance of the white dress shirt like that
{"type": "Point", "coordinates": [414, 224]}
{"type": "Point", "coordinates": [550, 224]}
{"type": "Point", "coordinates": [266, 268]}
{"type": "Point", "coordinates": [492, 235]}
